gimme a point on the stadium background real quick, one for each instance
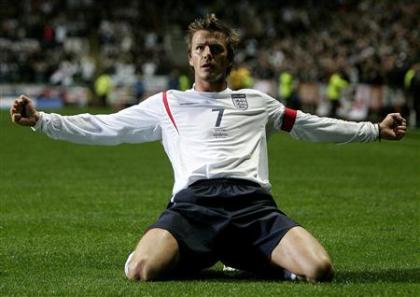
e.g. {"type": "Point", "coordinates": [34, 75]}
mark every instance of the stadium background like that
{"type": "Point", "coordinates": [70, 214]}
{"type": "Point", "coordinates": [55, 51]}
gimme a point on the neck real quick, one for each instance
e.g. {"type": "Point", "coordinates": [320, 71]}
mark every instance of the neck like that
{"type": "Point", "coordinates": [205, 86]}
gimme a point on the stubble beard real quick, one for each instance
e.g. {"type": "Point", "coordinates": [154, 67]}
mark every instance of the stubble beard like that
{"type": "Point", "coordinates": [218, 78]}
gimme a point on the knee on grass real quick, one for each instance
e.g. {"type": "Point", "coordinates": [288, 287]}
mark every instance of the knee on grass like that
{"type": "Point", "coordinates": [322, 271]}
{"type": "Point", "coordinates": [141, 269]}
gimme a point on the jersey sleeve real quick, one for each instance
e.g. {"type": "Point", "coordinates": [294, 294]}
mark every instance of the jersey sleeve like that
{"type": "Point", "coordinates": [305, 126]}
{"type": "Point", "coordinates": [136, 124]}
{"type": "Point", "coordinates": [275, 111]}
{"type": "Point", "coordinates": [321, 129]}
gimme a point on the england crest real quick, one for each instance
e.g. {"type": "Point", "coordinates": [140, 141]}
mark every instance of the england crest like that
{"type": "Point", "coordinates": [239, 100]}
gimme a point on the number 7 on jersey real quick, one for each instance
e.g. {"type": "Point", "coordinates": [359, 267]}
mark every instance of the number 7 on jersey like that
{"type": "Point", "coordinates": [219, 116]}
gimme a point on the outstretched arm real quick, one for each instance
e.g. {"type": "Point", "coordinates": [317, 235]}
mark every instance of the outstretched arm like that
{"type": "Point", "coordinates": [136, 124]}
{"type": "Point", "coordinates": [320, 129]}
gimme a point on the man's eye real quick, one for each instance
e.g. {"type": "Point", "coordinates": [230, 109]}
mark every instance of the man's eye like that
{"type": "Point", "coordinates": [217, 48]}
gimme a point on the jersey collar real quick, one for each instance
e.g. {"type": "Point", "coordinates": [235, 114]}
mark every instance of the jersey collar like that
{"type": "Point", "coordinates": [227, 90]}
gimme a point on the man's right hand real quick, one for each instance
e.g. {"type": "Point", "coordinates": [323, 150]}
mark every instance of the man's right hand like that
{"type": "Point", "coordinates": [23, 112]}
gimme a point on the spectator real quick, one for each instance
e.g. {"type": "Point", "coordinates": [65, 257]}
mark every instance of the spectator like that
{"type": "Point", "coordinates": [336, 85]}
{"type": "Point", "coordinates": [374, 42]}
{"type": "Point", "coordinates": [103, 87]}
{"type": "Point", "coordinates": [287, 90]}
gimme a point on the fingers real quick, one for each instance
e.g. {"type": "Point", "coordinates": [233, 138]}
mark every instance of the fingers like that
{"type": "Point", "coordinates": [393, 127]}
{"type": "Point", "coordinates": [23, 99]}
{"type": "Point", "coordinates": [19, 103]}
{"type": "Point", "coordinates": [16, 117]}
{"type": "Point", "coordinates": [394, 122]}
{"type": "Point", "coordinates": [399, 125]}
{"type": "Point", "coordinates": [396, 116]}
{"type": "Point", "coordinates": [398, 120]}
{"type": "Point", "coordinates": [19, 111]}
{"type": "Point", "coordinates": [397, 133]}
{"type": "Point", "coordinates": [400, 131]}
{"type": "Point", "coordinates": [15, 111]}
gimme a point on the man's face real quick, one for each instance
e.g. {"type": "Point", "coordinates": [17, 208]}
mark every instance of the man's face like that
{"type": "Point", "coordinates": [209, 56]}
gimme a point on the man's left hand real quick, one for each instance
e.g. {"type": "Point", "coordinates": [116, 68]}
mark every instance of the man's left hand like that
{"type": "Point", "coordinates": [393, 127]}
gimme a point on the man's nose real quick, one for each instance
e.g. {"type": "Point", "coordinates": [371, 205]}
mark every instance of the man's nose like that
{"type": "Point", "coordinates": [207, 51]}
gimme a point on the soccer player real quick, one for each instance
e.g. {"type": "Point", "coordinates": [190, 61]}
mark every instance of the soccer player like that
{"type": "Point", "coordinates": [216, 140]}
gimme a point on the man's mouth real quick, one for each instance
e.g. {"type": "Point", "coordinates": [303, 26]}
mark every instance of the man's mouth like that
{"type": "Point", "coordinates": [207, 66]}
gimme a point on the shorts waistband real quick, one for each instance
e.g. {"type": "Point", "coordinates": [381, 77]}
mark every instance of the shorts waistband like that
{"type": "Point", "coordinates": [231, 181]}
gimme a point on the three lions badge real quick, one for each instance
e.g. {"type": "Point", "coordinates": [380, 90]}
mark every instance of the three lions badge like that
{"type": "Point", "coordinates": [239, 101]}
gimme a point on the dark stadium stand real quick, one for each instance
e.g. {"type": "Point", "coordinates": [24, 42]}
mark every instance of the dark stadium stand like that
{"type": "Point", "coordinates": [68, 43]}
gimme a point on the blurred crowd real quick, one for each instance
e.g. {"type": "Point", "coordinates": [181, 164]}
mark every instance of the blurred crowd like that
{"type": "Point", "coordinates": [75, 41]}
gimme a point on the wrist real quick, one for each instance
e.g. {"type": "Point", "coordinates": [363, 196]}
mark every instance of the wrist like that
{"type": "Point", "coordinates": [379, 132]}
{"type": "Point", "coordinates": [37, 116]}
{"type": "Point", "coordinates": [38, 121]}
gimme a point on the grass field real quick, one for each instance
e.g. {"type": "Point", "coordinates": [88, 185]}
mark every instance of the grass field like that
{"type": "Point", "coordinates": [70, 214]}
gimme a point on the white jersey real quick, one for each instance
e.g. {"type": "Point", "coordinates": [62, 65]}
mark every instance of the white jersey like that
{"type": "Point", "coordinates": [206, 134]}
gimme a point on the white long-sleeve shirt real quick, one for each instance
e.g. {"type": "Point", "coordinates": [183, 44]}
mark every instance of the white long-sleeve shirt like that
{"type": "Point", "coordinates": [206, 134]}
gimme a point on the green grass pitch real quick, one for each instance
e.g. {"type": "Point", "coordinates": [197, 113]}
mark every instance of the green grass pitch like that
{"type": "Point", "coordinates": [70, 215]}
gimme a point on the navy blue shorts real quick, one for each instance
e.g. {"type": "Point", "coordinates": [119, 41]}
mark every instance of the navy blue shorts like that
{"type": "Point", "coordinates": [229, 220]}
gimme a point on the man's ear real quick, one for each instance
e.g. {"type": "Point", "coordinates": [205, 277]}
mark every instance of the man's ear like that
{"type": "Point", "coordinates": [190, 60]}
